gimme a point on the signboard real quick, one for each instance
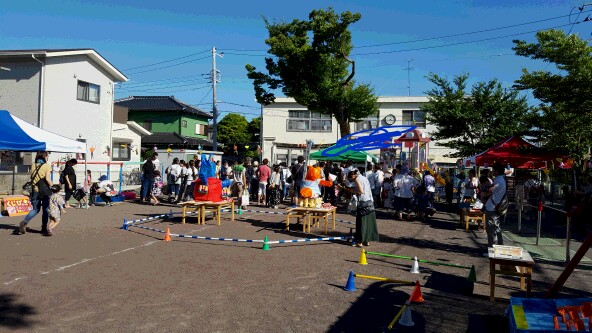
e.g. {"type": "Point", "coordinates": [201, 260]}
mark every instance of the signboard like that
{"type": "Point", "coordinates": [17, 205]}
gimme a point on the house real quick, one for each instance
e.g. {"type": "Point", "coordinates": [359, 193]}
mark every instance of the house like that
{"type": "Point", "coordinates": [172, 122]}
{"type": "Point", "coordinates": [283, 143]}
{"type": "Point", "coordinates": [70, 92]}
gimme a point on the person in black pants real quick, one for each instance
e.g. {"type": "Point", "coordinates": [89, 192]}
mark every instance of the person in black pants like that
{"type": "Point", "coordinates": [69, 180]}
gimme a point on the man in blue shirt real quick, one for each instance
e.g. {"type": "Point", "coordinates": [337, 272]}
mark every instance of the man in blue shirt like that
{"type": "Point", "coordinates": [492, 217]}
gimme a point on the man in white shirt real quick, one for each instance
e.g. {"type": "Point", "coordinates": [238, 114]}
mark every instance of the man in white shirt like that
{"type": "Point", "coordinates": [492, 217]}
{"type": "Point", "coordinates": [377, 180]}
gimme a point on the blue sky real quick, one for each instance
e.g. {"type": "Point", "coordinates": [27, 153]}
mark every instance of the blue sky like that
{"type": "Point", "coordinates": [135, 36]}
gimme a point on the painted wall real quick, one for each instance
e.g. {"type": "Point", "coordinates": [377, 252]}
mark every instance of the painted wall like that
{"type": "Point", "coordinates": [189, 131]}
{"type": "Point", "coordinates": [72, 118]}
{"type": "Point", "coordinates": [169, 122]}
{"type": "Point", "coordinates": [19, 89]}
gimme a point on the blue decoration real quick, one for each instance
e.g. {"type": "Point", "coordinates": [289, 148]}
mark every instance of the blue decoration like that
{"type": "Point", "coordinates": [376, 138]}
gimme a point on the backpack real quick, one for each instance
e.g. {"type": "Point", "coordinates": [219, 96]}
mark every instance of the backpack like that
{"type": "Point", "coordinates": [62, 177]}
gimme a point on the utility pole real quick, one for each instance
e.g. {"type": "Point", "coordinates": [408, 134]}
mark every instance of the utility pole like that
{"type": "Point", "coordinates": [409, 69]}
{"type": "Point", "coordinates": [214, 107]}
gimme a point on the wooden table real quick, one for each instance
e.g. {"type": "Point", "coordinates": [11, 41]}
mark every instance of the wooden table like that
{"type": "Point", "coordinates": [474, 215]}
{"type": "Point", "coordinates": [192, 204]}
{"type": "Point", "coordinates": [519, 267]}
{"type": "Point", "coordinates": [310, 215]}
{"type": "Point", "coordinates": [216, 208]}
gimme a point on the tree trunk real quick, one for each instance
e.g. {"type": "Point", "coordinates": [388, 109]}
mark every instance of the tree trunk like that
{"type": "Point", "coordinates": [343, 127]}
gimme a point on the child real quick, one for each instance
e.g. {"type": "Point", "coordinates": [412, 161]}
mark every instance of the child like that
{"type": "Point", "coordinates": [422, 203]}
{"type": "Point", "coordinates": [55, 209]}
{"type": "Point", "coordinates": [93, 194]}
{"type": "Point", "coordinates": [156, 189]}
{"type": "Point", "coordinates": [485, 185]}
{"type": "Point", "coordinates": [387, 190]}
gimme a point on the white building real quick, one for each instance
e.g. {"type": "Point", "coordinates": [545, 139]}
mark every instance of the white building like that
{"type": "Point", "coordinates": [287, 125]}
{"type": "Point", "coordinates": [69, 92]}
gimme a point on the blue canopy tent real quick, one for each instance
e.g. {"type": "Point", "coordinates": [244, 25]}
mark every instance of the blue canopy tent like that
{"type": "Point", "coordinates": [18, 135]}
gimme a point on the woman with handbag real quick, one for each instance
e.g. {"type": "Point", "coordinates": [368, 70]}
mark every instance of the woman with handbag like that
{"type": "Point", "coordinates": [366, 228]}
{"type": "Point", "coordinates": [41, 184]}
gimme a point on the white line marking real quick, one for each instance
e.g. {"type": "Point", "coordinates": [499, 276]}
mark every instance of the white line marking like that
{"type": "Point", "coordinates": [18, 278]}
{"type": "Point", "coordinates": [59, 269]}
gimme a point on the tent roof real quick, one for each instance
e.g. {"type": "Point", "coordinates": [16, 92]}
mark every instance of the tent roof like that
{"type": "Point", "coordinates": [346, 155]}
{"type": "Point", "coordinates": [413, 136]}
{"type": "Point", "coordinates": [18, 135]}
{"type": "Point", "coordinates": [514, 151]}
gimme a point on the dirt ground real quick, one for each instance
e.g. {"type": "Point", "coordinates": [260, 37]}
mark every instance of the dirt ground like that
{"type": "Point", "coordinates": [93, 276]}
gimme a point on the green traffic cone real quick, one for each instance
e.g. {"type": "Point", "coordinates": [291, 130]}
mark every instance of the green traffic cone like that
{"type": "Point", "coordinates": [473, 274]}
{"type": "Point", "coordinates": [265, 245]}
{"type": "Point", "coordinates": [240, 210]}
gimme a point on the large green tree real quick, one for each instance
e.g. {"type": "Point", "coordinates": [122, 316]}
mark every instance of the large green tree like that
{"type": "Point", "coordinates": [564, 115]}
{"type": "Point", "coordinates": [233, 129]}
{"type": "Point", "coordinates": [311, 64]}
{"type": "Point", "coordinates": [471, 122]}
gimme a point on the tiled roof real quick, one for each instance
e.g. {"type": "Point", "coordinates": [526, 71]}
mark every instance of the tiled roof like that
{"type": "Point", "coordinates": [159, 103]}
{"type": "Point", "coordinates": [174, 140]}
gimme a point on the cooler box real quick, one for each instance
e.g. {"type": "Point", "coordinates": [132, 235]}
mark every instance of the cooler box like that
{"type": "Point", "coordinates": [213, 194]}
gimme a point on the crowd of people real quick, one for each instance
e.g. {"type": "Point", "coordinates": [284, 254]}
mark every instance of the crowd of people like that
{"type": "Point", "coordinates": [408, 193]}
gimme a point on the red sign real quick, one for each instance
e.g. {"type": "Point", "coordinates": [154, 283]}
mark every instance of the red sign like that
{"type": "Point", "coordinates": [17, 205]}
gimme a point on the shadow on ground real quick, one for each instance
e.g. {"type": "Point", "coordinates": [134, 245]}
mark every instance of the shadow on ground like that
{"type": "Point", "coordinates": [441, 312]}
{"type": "Point", "coordinates": [15, 315]}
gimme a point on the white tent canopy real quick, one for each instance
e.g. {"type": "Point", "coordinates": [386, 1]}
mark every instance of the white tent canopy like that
{"type": "Point", "coordinates": [18, 135]}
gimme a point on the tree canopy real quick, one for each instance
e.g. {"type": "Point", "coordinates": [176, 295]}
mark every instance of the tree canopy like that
{"type": "Point", "coordinates": [564, 116]}
{"type": "Point", "coordinates": [235, 130]}
{"type": "Point", "coordinates": [472, 122]}
{"type": "Point", "coordinates": [310, 64]}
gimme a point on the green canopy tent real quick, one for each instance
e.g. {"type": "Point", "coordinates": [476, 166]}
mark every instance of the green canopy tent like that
{"type": "Point", "coordinates": [342, 155]}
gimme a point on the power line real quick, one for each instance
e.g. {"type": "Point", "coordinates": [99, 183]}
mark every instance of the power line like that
{"type": "Point", "coordinates": [428, 38]}
{"type": "Point", "coordinates": [181, 63]}
{"type": "Point", "coordinates": [165, 61]}
{"type": "Point", "coordinates": [458, 43]}
{"type": "Point", "coordinates": [246, 106]}
{"type": "Point", "coordinates": [163, 84]}
{"type": "Point", "coordinates": [466, 33]}
{"type": "Point", "coordinates": [167, 89]}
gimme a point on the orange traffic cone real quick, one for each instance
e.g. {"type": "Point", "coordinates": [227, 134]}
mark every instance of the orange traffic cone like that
{"type": "Point", "coordinates": [416, 294]}
{"type": "Point", "coordinates": [167, 235]}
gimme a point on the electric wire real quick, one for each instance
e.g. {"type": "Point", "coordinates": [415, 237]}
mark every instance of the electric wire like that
{"type": "Point", "coordinates": [165, 61]}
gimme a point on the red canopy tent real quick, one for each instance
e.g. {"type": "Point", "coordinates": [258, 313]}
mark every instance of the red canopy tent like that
{"type": "Point", "coordinates": [516, 152]}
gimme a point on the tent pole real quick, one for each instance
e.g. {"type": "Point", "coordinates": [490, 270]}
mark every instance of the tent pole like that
{"type": "Point", "coordinates": [13, 176]}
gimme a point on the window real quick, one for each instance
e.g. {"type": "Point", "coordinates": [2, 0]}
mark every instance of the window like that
{"type": "Point", "coordinates": [88, 92]}
{"type": "Point", "coordinates": [121, 151]}
{"type": "Point", "coordinates": [414, 117]}
{"type": "Point", "coordinates": [148, 124]}
{"type": "Point", "coordinates": [367, 123]}
{"type": "Point", "coordinates": [200, 129]}
{"type": "Point", "coordinates": [308, 121]}
{"type": "Point", "coordinates": [184, 123]}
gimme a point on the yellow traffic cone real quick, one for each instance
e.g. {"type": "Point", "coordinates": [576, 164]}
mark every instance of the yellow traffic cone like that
{"type": "Point", "coordinates": [362, 260]}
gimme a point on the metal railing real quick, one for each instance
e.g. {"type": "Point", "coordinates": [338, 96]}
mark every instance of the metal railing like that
{"type": "Point", "coordinates": [540, 207]}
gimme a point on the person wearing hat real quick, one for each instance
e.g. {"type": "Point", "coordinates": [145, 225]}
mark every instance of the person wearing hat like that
{"type": "Point", "coordinates": [106, 190]}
